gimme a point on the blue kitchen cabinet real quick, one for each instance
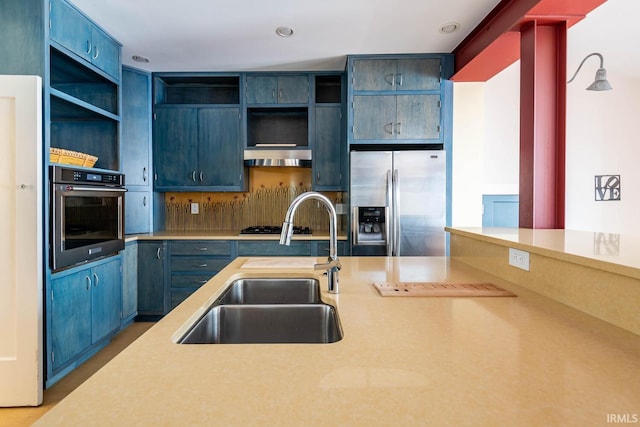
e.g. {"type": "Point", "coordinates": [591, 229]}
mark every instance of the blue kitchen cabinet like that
{"type": "Point", "coordinates": [198, 149]}
{"type": "Point", "coordinates": [135, 150]}
{"type": "Point", "coordinates": [73, 31]}
{"type": "Point", "coordinates": [277, 89]}
{"type": "Point", "coordinates": [328, 149]}
{"type": "Point", "coordinates": [129, 284]}
{"type": "Point", "coordinates": [387, 74]}
{"type": "Point", "coordinates": [84, 309]}
{"type": "Point", "coordinates": [399, 99]}
{"type": "Point", "coordinates": [153, 289]}
{"type": "Point", "coordinates": [106, 299]}
{"type": "Point", "coordinates": [175, 151]}
{"type": "Point", "coordinates": [194, 262]}
{"type": "Point", "coordinates": [70, 313]}
{"type": "Point", "coordinates": [220, 149]}
{"type": "Point", "coordinates": [396, 117]}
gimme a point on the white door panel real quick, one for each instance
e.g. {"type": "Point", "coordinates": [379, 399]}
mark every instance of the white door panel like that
{"type": "Point", "coordinates": [21, 243]}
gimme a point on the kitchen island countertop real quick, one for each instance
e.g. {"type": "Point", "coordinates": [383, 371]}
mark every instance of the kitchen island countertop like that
{"type": "Point", "coordinates": [403, 361]}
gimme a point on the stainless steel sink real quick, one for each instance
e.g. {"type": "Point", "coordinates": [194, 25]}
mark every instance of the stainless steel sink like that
{"type": "Point", "coordinates": [272, 291]}
{"type": "Point", "coordinates": [266, 323]}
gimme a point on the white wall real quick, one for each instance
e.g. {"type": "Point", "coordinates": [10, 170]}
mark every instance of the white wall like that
{"type": "Point", "coordinates": [468, 151]}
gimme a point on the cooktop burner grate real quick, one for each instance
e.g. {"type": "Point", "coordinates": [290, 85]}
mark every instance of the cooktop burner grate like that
{"type": "Point", "coordinates": [273, 229]}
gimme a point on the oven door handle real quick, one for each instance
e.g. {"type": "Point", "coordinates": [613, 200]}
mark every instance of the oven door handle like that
{"type": "Point", "coordinates": [104, 189]}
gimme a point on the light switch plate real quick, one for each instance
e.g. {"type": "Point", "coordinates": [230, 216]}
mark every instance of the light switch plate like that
{"type": "Point", "coordinates": [519, 259]}
{"type": "Point", "coordinates": [195, 208]}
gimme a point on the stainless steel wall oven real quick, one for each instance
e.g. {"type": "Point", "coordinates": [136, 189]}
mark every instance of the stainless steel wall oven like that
{"type": "Point", "coordinates": [87, 215]}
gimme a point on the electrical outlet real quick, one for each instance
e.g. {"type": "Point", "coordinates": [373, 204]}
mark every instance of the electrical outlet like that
{"type": "Point", "coordinates": [195, 208]}
{"type": "Point", "coordinates": [519, 259]}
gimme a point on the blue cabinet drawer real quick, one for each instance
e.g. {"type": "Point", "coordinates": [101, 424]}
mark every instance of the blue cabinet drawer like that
{"type": "Point", "coordinates": [197, 264]}
{"type": "Point", "coordinates": [189, 281]}
{"type": "Point", "coordinates": [201, 247]}
{"type": "Point", "coordinates": [273, 248]}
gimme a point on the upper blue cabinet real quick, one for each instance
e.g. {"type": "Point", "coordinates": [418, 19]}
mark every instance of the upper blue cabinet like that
{"type": "Point", "coordinates": [277, 89]}
{"type": "Point", "coordinates": [396, 74]}
{"type": "Point", "coordinates": [398, 99]}
{"type": "Point", "coordinates": [73, 31]}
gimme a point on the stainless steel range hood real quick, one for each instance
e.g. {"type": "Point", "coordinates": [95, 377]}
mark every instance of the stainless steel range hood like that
{"type": "Point", "coordinates": [274, 157]}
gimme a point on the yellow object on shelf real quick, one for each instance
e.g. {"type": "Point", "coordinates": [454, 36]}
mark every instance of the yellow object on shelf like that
{"type": "Point", "coordinates": [68, 157]}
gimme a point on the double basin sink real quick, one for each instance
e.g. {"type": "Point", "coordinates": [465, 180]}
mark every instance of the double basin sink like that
{"type": "Point", "coordinates": [267, 310]}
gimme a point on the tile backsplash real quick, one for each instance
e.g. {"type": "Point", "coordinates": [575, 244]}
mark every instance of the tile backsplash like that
{"type": "Point", "coordinates": [266, 203]}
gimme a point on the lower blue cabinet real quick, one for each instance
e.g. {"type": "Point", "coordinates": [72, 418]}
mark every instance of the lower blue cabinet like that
{"type": "Point", "coordinates": [83, 309]}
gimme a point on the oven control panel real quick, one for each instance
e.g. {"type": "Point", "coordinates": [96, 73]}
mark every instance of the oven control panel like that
{"type": "Point", "coordinates": [64, 175]}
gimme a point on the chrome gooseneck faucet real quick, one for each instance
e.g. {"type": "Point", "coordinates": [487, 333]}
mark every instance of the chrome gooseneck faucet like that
{"type": "Point", "coordinates": [332, 266]}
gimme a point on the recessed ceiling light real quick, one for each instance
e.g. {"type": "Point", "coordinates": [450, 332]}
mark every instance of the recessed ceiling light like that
{"type": "Point", "coordinates": [449, 28]}
{"type": "Point", "coordinates": [140, 58]}
{"type": "Point", "coordinates": [284, 31]}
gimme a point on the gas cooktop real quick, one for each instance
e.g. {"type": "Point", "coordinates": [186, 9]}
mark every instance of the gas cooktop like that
{"type": "Point", "coordinates": [273, 229]}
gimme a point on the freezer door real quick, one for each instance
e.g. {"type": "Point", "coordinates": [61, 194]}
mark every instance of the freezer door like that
{"type": "Point", "coordinates": [419, 202]}
{"type": "Point", "coordinates": [369, 171]}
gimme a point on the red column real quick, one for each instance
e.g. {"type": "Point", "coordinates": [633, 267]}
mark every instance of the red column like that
{"type": "Point", "coordinates": [543, 51]}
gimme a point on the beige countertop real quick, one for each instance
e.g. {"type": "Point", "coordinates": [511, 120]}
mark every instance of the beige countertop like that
{"type": "Point", "coordinates": [612, 252]}
{"type": "Point", "coordinates": [525, 361]}
{"type": "Point", "coordinates": [223, 235]}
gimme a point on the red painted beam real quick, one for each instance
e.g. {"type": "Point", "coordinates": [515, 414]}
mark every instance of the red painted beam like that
{"type": "Point", "coordinates": [542, 125]}
{"type": "Point", "coordinates": [491, 46]}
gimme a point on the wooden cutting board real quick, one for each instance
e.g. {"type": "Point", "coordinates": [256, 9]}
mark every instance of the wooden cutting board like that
{"type": "Point", "coordinates": [440, 289]}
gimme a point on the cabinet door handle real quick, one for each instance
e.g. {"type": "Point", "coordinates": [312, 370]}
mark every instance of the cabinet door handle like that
{"type": "Point", "coordinates": [273, 94]}
{"type": "Point", "coordinates": [200, 265]}
{"type": "Point", "coordinates": [158, 253]}
{"type": "Point", "coordinates": [388, 128]}
{"type": "Point", "coordinates": [201, 176]}
{"type": "Point", "coordinates": [88, 51]}
{"type": "Point", "coordinates": [193, 176]}
{"type": "Point", "coordinates": [96, 52]}
{"type": "Point", "coordinates": [201, 282]}
{"type": "Point", "coordinates": [202, 249]}
{"type": "Point", "coordinates": [398, 79]}
{"type": "Point", "coordinates": [399, 128]}
{"type": "Point", "coordinates": [144, 174]}
{"type": "Point", "coordinates": [280, 94]}
{"type": "Point", "coordinates": [390, 79]}
{"type": "Point", "coordinates": [144, 201]}
{"type": "Point", "coordinates": [96, 280]}
{"type": "Point", "coordinates": [88, 279]}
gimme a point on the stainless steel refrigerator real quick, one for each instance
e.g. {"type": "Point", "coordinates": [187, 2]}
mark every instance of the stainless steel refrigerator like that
{"type": "Point", "coordinates": [398, 202]}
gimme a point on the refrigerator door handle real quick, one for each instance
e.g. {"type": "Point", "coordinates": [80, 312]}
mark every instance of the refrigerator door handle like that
{"type": "Point", "coordinates": [354, 225]}
{"type": "Point", "coordinates": [395, 214]}
{"type": "Point", "coordinates": [389, 227]}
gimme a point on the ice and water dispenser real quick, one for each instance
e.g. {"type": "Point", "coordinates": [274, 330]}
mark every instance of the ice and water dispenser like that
{"type": "Point", "coordinates": [370, 230]}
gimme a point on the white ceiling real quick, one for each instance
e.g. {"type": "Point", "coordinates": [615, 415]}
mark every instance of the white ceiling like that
{"type": "Point", "coordinates": [236, 35]}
